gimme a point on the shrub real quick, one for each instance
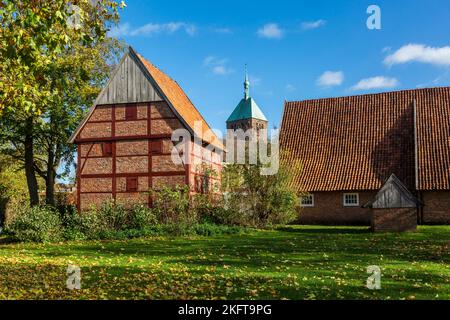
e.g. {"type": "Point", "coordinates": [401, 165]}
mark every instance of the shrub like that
{"type": "Point", "coordinates": [172, 206]}
{"type": "Point", "coordinates": [252, 199]}
{"type": "Point", "coordinates": [112, 217]}
{"type": "Point", "coordinates": [110, 221]}
{"type": "Point", "coordinates": [37, 224]}
{"type": "Point", "coordinates": [142, 217]}
{"type": "Point", "coordinates": [73, 225]}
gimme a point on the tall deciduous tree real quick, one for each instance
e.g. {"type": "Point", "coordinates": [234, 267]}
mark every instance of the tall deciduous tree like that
{"type": "Point", "coordinates": [78, 75]}
{"type": "Point", "coordinates": [34, 34]}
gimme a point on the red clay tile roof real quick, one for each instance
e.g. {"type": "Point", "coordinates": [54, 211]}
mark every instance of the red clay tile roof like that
{"type": "Point", "coordinates": [433, 126]}
{"type": "Point", "coordinates": [356, 143]}
{"type": "Point", "coordinates": [182, 104]}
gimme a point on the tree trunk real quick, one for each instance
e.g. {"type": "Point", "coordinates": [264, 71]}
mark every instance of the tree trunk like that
{"type": "Point", "coordinates": [30, 173]}
{"type": "Point", "coordinates": [50, 179]}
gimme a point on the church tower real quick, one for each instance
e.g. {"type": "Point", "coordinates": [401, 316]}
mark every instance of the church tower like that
{"type": "Point", "coordinates": [247, 114]}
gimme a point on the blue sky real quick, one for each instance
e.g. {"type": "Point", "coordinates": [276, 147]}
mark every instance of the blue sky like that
{"type": "Point", "coordinates": [295, 50]}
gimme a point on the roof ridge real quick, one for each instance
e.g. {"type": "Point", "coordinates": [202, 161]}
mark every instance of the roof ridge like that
{"type": "Point", "coordinates": [369, 94]}
{"type": "Point", "coordinates": [216, 140]}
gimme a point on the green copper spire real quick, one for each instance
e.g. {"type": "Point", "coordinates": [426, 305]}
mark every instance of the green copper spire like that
{"type": "Point", "coordinates": [246, 85]}
{"type": "Point", "coordinates": [247, 108]}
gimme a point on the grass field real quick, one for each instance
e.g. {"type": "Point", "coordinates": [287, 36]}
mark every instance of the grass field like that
{"type": "Point", "coordinates": [291, 263]}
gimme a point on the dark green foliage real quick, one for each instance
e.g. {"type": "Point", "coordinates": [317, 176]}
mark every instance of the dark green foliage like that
{"type": "Point", "coordinates": [111, 222]}
{"type": "Point", "coordinates": [172, 205]}
{"type": "Point", "coordinates": [37, 224]}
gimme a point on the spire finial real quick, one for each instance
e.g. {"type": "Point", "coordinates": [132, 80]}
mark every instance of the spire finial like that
{"type": "Point", "coordinates": [246, 84]}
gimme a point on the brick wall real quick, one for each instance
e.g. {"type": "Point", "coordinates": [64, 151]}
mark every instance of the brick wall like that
{"type": "Point", "coordinates": [437, 207]}
{"type": "Point", "coordinates": [394, 220]}
{"type": "Point", "coordinates": [329, 210]}
{"type": "Point", "coordinates": [104, 177]}
{"type": "Point", "coordinates": [202, 159]}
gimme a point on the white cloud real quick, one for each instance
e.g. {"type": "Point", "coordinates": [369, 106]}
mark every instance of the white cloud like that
{"type": "Point", "coordinates": [217, 66]}
{"type": "Point", "coordinates": [330, 79]}
{"type": "Point", "coordinates": [313, 24]}
{"type": "Point", "coordinates": [120, 30]}
{"type": "Point", "coordinates": [290, 88]}
{"type": "Point", "coordinates": [220, 70]}
{"type": "Point", "coordinates": [270, 31]}
{"type": "Point", "coordinates": [420, 53]}
{"type": "Point", "coordinates": [152, 29]}
{"type": "Point", "coordinates": [376, 83]}
{"type": "Point", "coordinates": [254, 81]}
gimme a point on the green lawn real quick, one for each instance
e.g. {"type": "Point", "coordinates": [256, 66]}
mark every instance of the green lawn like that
{"type": "Point", "coordinates": [293, 263]}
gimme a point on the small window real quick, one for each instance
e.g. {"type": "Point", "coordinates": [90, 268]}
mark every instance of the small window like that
{"type": "Point", "coordinates": [156, 147]}
{"type": "Point", "coordinates": [351, 200]}
{"type": "Point", "coordinates": [107, 149]}
{"type": "Point", "coordinates": [132, 184]}
{"type": "Point", "coordinates": [131, 113]}
{"type": "Point", "coordinates": [307, 201]}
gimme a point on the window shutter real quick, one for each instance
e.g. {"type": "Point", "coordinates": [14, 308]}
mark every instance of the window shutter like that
{"type": "Point", "coordinates": [156, 147]}
{"type": "Point", "coordinates": [132, 184]}
{"type": "Point", "coordinates": [131, 113]}
{"type": "Point", "coordinates": [107, 149]}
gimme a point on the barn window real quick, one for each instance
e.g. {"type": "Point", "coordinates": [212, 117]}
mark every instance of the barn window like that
{"type": "Point", "coordinates": [351, 200]}
{"type": "Point", "coordinates": [131, 113]}
{"type": "Point", "coordinates": [307, 201]}
{"type": "Point", "coordinates": [156, 147]}
{"type": "Point", "coordinates": [107, 149]}
{"type": "Point", "coordinates": [132, 184]}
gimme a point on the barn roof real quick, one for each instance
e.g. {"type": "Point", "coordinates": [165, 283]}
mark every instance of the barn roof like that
{"type": "Point", "coordinates": [175, 97]}
{"type": "Point", "coordinates": [182, 104]}
{"type": "Point", "coordinates": [357, 142]}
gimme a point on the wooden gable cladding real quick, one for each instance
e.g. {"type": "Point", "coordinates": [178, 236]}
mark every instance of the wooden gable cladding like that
{"type": "Point", "coordinates": [392, 195]}
{"type": "Point", "coordinates": [128, 84]}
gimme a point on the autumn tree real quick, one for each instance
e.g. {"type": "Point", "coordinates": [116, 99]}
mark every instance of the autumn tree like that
{"type": "Point", "coordinates": [39, 44]}
{"type": "Point", "coordinates": [13, 187]}
{"type": "Point", "coordinates": [261, 200]}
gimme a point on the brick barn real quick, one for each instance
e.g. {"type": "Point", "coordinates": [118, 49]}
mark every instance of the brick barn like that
{"type": "Point", "coordinates": [124, 143]}
{"type": "Point", "coordinates": [350, 146]}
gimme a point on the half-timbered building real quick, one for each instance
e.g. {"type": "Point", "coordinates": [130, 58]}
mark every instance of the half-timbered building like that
{"type": "Point", "coordinates": [125, 142]}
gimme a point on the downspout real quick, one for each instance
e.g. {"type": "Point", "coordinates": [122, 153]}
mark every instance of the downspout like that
{"type": "Point", "coordinates": [416, 164]}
